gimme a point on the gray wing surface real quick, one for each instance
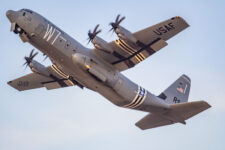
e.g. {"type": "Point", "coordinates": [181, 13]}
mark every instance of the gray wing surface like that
{"type": "Point", "coordinates": [190, 109]}
{"type": "Point", "coordinates": [177, 113]}
{"type": "Point", "coordinates": [152, 121]}
{"type": "Point", "coordinates": [35, 80]}
{"type": "Point", "coordinates": [150, 40]}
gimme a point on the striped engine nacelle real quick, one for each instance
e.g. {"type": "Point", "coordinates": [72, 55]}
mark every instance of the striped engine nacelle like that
{"type": "Point", "coordinates": [124, 34]}
{"type": "Point", "coordinates": [101, 44]}
{"type": "Point", "coordinates": [37, 67]}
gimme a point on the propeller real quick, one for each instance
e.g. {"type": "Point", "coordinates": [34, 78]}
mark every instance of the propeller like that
{"type": "Point", "coordinates": [91, 35]}
{"type": "Point", "coordinates": [30, 58]}
{"type": "Point", "coordinates": [116, 23]}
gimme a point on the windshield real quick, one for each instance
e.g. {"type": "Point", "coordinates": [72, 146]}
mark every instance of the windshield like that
{"type": "Point", "coordinates": [27, 10]}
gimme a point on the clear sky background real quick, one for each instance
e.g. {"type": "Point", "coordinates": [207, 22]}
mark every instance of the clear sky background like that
{"type": "Point", "coordinates": [72, 118]}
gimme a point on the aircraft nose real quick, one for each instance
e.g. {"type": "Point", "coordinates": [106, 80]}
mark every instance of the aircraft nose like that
{"type": "Point", "coordinates": [11, 15]}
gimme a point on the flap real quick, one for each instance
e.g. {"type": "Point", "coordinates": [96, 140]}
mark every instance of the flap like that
{"type": "Point", "coordinates": [159, 45]}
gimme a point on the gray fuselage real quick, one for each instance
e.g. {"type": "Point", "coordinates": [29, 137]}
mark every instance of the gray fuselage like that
{"type": "Point", "coordinates": [74, 59]}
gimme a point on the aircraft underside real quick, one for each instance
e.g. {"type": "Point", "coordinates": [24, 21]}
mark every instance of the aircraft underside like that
{"type": "Point", "coordinates": [99, 69]}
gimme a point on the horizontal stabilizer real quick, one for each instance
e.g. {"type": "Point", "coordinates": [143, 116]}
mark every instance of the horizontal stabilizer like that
{"type": "Point", "coordinates": [177, 113]}
{"type": "Point", "coordinates": [188, 110]}
{"type": "Point", "coordinates": [152, 121]}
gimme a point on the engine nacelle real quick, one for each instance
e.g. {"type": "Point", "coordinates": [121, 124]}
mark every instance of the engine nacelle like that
{"type": "Point", "coordinates": [36, 67]}
{"type": "Point", "coordinates": [101, 44]}
{"type": "Point", "coordinates": [124, 34]}
{"type": "Point", "coordinates": [90, 65]}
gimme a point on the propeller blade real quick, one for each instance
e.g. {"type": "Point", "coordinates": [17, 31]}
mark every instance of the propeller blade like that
{"type": "Point", "coordinates": [89, 40]}
{"type": "Point", "coordinates": [24, 63]}
{"type": "Point", "coordinates": [98, 32]}
{"type": "Point", "coordinates": [96, 28]}
{"type": "Point", "coordinates": [117, 18]}
{"type": "Point", "coordinates": [116, 23]}
{"type": "Point", "coordinates": [31, 53]}
{"type": "Point", "coordinates": [25, 67]}
{"type": "Point", "coordinates": [120, 20]}
{"type": "Point", "coordinates": [30, 58]}
{"type": "Point", "coordinates": [91, 35]}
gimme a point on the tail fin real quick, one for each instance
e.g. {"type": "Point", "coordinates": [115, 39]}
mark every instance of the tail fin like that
{"type": "Point", "coordinates": [178, 92]}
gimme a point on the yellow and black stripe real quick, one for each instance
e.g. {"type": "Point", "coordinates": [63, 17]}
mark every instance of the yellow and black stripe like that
{"type": "Point", "coordinates": [138, 99]}
{"type": "Point", "coordinates": [128, 49]}
{"type": "Point", "coordinates": [63, 75]}
{"type": "Point", "coordinates": [140, 55]}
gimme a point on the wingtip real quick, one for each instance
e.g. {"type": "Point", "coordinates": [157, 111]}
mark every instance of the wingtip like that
{"type": "Point", "coordinates": [139, 126]}
{"type": "Point", "coordinates": [179, 17]}
{"type": "Point", "coordinates": [9, 82]}
{"type": "Point", "coordinates": [206, 104]}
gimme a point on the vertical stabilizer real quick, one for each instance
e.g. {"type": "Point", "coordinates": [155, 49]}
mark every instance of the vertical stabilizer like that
{"type": "Point", "coordinates": [177, 92]}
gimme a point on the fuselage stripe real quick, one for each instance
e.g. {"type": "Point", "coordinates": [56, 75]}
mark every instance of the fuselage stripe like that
{"type": "Point", "coordinates": [141, 101]}
{"type": "Point", "coordinates": [134, 98]}
{"type": "Point", "coordinates": [138, 99]}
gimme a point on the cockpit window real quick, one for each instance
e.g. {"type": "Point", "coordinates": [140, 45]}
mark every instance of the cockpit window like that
{"type": "Point", "coordinates": [27, 10]}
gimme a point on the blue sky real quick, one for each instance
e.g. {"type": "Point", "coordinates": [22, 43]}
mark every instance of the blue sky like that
{"type": "Point", "coordinates": [72, 118]}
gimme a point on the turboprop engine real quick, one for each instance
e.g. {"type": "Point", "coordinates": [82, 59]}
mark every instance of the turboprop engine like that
{"type": "Point", "coordinates": [101, 44]}
{"type": "Point", "coordinates": [98, 42]}
{"type": "Point", "coordinates": [121, 32]}
{"type": "Point", "coordinates": [35, 66]}
{"type": "Point", "coordinates": [126, 35]}
{"type": "Point", "coordinates": [108, 77]}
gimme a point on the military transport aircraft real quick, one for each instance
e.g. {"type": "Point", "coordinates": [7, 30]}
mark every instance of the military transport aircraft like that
{"type": "Point", "coordinates": [99, 69]}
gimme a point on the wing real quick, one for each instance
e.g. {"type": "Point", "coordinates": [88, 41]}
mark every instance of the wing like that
{"type": "Point", "coordinates": [56, 79]}
{"type": "Point", "coordinates": [150, 40]}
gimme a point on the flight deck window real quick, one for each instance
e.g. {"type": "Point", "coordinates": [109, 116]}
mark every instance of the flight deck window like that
{"type": "Point", "coordinates": [27, 10]}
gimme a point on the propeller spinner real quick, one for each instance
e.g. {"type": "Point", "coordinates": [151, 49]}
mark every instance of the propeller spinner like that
{"type": "Point", "coordinates": [91, 35]}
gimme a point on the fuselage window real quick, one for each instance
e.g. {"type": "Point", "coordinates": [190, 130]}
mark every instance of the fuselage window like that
{"type": "Point", "coordinates": [67, 45]}
{"type": "Point", "coordinates": [27, 10]}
